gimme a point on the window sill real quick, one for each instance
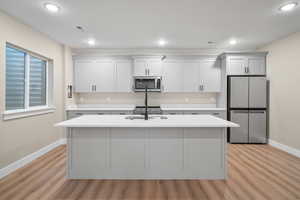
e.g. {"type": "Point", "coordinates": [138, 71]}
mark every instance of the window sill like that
{"type": "Point", "coordinates": [15, 114]}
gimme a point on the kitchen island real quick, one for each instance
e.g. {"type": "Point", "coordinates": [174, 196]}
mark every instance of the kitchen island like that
{"type": "Point", "coordinates": [163, 147]}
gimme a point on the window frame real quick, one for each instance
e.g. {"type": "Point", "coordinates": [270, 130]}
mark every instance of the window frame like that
{"type": "Point", "coordinates": [29, 110]}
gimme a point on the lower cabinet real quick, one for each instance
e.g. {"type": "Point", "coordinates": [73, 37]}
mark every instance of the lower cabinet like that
{"type": "Point", "coordinates": [73, 114]}
{"type": "Point", "coordinates": [220, 114]}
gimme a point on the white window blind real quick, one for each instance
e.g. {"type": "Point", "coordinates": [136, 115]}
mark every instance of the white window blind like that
{"type": "Point", "coordinates": [15, 79]}
{"type": "Point", "coordinates": [26, 80]}
{"type": "Point", "coordinates": [38, 82]}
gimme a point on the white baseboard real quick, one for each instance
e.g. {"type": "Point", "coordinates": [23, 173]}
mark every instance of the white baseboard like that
{"type": "Point", "coordinates": [285, 148]}
{"type": "Point", "coordinates": [27, 159]}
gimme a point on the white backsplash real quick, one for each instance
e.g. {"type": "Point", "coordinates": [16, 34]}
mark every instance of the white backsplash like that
{"type": "Point", "coordinates": [138, 98]}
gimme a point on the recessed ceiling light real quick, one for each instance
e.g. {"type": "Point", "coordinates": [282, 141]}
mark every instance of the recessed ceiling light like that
{"type": "Point", "coordinates": [52, 7]}
{"type": "Point", "coordinates": [162, 42]}
{"type": "Point", "coordinates": [232, 42]}
{"type": "Point", "coordinates": [288, 7]}
{"type": "Point", "coordinates": [91, 42]}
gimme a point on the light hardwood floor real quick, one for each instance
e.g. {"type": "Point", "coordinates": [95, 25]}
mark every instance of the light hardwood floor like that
{"type": "Point", "coordinates": [255, 172]}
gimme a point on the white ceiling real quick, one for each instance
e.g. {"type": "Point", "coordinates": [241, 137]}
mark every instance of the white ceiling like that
{"type": "Point", "coordinates": [141, 23]}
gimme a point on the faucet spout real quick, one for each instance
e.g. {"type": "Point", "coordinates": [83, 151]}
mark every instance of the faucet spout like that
{"type": "Point", "coordinates": [146, 103]}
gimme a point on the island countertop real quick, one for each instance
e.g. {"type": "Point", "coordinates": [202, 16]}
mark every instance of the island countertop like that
{"type": "Point", "coordinates": [154, 121]}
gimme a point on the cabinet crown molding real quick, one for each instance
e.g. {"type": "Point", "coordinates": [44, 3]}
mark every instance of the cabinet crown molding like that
{"type": "Point", "coordinates": [246, 53]}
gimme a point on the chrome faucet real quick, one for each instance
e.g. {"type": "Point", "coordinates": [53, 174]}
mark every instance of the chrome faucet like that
{"type": "Point", "coordinates": [146, 103]}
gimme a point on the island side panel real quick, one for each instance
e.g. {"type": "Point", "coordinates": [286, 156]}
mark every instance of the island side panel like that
{"type": "Point", "coordinates": [204, 153]}
{"type": "Point", "coordinates": [128, 153]}
{"type": "Point", "coordinates": [147, 153]}
{"type": "Point", "coordinates": [89, 153]}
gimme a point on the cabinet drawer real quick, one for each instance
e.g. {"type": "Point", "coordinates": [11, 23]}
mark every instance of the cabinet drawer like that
{"type": "Point", "coordinates": [172, 113]}
{"type": "Point", "coordinates": [221, 114]}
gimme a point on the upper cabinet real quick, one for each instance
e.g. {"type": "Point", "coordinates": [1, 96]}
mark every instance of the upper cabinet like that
{"type": "Point", "coordinates": [85, 76]}
{"type": "Point", "coordinates": [103, 76]}
{"type": "Point", "coordinates": [192, 75]}
{"type": "Point", "coordinates": [123, 76]}
{"type": "Point", "coordinates": [172, 80]}
{"type": "Point", "coordinates": [210, 76]}
{"type": "Point", "coordinates": [147, 67]}
{"type": "Point", "coordinates": [245, 63]}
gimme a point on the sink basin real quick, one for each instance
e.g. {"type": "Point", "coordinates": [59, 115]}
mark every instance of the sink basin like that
{"type": "Point", "coordinates": [142, 117]}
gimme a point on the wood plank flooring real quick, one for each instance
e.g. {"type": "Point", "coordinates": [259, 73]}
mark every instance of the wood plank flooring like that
{"type": "Point", "coordinates": [255, 172]}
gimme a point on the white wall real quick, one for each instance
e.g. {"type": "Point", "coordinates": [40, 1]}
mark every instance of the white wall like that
{"type": "Point", "coordinates": [283, 70]}
{"type": "Point", "coordinates": [23, 136]}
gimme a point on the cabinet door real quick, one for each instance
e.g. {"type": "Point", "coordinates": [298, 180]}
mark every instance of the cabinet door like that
{"type": "Point", "coordinates": [210, 76]}
{"type": "Point", "coordinates": [191, 76]}
{"type": "Point", "coordinates": [140, 68]}
{"type": "Point", "coordinates": [104, 75]}
{"type": "Point", "coordinates": [83, 81]}
{"type": "Point", "coordinates": [257, 66]}
{"type": "Point", "coordinates": [257, 126]}
{"type": "Point", "coordinates": [172, 77]}
{"type": "Point", "coordinates": [154, 68]}
{"type": "Point", "coordinates": [123, 76]}
{"type": "Point", "coordinates": [239, 134]}
{"type": "Point", "coordinates": [237, 66]}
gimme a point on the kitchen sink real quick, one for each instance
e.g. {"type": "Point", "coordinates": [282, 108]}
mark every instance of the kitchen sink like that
{"type": "Point", "coordinates": [142, 117]}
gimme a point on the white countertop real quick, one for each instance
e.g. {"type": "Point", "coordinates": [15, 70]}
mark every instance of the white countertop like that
{"type": "Point", "coordinates": [172, 121]}
{"type": "Point", "coordinates": [101, 107]}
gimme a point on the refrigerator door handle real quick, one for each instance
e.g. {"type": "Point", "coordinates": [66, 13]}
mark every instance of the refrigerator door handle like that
{"type": "Point", "coordinates": [257, 111]}
{"type": "Point", "coordinates": [240, 111]}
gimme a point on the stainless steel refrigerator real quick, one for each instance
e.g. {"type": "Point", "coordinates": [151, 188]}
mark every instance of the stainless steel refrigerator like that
{"type": "Point", "coordinates": [247, 106]}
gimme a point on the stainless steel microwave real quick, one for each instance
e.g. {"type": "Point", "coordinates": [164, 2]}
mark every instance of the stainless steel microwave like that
{"type": "Point", "coordinates": [152, 82]}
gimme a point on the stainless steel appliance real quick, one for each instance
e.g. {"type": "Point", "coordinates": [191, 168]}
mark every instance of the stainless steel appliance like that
{"type": "Point", "coordinates": [152, 82]}
{"type": "Point", "coordinates": [247, 106]}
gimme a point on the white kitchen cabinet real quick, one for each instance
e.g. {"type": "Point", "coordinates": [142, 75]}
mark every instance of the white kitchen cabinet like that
{"type": "Point", "coordinates": [85, 76]}
{"type": "Point", "coordinates": [154, 68]}
{"type": "Point", "coordinates": [220, 114]}
{"type": "Point", "coordinates": [172, 79]}
{"type": "Point", "coordinates": [147, 67]}
{"type": "Point", "coordinates": [257, 66]}
{"type": "Point", "coordinates": [105, 76]}
{"type": "Point", "coordinates": [245, 63]}
{"type": "Point", "coordinates": [190, 77]}
{"type": "Point", "coordinates": [210, 76]}
{"type": "Point", "coordinates": [140, 68]}
{"type": "Point", "coordinates": [123, 76]}
{"type": "Point", "coordinates": [237, 66]}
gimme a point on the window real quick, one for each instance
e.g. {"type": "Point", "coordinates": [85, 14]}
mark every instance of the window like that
{"type": "Point", "coordinates": [26, 81]}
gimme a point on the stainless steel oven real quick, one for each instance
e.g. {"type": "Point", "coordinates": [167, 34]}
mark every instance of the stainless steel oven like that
{"type": "Point", "coordinates": [152, 82]}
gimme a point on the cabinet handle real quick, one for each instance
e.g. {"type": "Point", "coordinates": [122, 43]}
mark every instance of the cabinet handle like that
{"type": "Point", "coordinates": [201, 87]}
{"type": "Point", "coordinates": [216, 113]}
{"type": "Point", "coordinates": [245, 68]}
{"type": "Point", "coordinates": [146, 72]}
